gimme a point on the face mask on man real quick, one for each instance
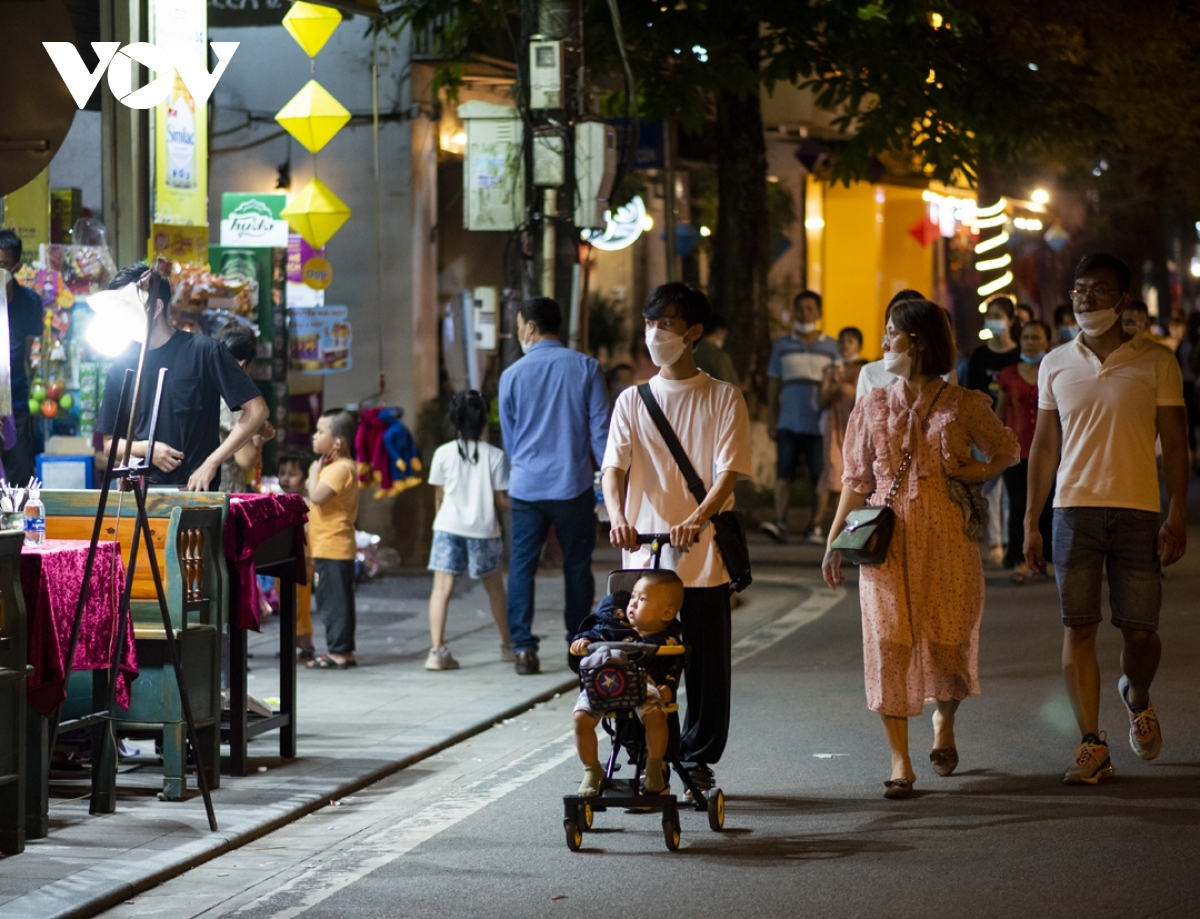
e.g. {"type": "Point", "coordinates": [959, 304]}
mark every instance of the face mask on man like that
{"type": "Point", "coordinates": [1097, 322]}
{"type": "Point", "coordinates": [665, 347]}
{"type": "Point", "coordinates": [806, 328]}
{"type": "Point", "coordinates": [898, 364]}
{"type": "Point", "coordinates": [997, 327]}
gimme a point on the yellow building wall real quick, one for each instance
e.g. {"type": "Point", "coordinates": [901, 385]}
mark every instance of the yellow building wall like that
{"type": "Point", "coordinates": [860, 253]}
{"type": "Point", "coordinates": [853, 236]}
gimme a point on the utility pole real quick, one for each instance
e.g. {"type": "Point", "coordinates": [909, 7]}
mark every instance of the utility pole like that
{"type": "Point", "coordinates": [552, 88]}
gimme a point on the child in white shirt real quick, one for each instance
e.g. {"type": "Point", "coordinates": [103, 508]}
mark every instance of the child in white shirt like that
{"type": "Point", "coordinates": [471, 481]}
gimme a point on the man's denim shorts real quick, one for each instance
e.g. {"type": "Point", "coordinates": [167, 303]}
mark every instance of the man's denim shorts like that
{"type": "Point", "coordinates": [1089, 539]}
{"type": "Point", "coordinates": [458, 554]}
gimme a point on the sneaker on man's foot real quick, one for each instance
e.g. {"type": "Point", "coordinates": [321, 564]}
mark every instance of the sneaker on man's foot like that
{"type": "Point", "coordinates": [702, 777]}
{"type": "Point", "coordinates": [1145, 733]}
{"type": "Point", "coordinates": [440, 659]}
{"type": "Point", "coordinates": [777, 530]}
{"type": "Point", "coordinates": [1091, 762]}
{"type": "Point", "coordinates": [816, 537]}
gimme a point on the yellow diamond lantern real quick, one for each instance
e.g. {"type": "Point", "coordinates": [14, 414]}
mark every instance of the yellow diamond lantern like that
{"type": "Point", "coordinates": [311, 25]}
{"type": "Point", "coordinates": [316, 213]}
{"type": "Point", "coordinates": [313, 116]}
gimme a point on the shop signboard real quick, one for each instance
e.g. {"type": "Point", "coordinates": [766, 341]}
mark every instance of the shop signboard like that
{"type": "Point", "coordinates": [319, 339]}
{"type": "Point", "coordinates": [180, 122]}
{"type": "Point", "coordinates": [188, 245]}
{"type": "Point", "coordinates": [299, 292]}
{"type": "Point", "coordinates": [253, 221]}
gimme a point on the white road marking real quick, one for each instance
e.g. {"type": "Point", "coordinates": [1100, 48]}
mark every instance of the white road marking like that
{"type": "Point", "coordinates": [316, 883]}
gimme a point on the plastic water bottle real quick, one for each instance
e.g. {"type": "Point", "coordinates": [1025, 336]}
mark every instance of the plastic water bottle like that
{"type": "Point", "coordinates": [35, 520]}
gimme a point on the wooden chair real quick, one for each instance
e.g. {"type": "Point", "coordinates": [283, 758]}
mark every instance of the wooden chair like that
{"type": "Point", "coordinates": [13, 649]}
{"type": "Point", "coordinates": [187, 536]}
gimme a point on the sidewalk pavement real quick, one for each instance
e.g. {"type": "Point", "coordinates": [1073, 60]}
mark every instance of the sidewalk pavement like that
{"type": "Point", "coordinates": [355, 727]}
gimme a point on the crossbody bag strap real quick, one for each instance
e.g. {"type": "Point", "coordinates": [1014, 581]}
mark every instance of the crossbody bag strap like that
{"type": "Point", "coordinates": [907, 461]}
{"type": "Point", "coordinates": [695, 486]}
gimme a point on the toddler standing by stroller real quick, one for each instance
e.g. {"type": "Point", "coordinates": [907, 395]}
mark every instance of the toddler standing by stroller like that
{"type": "Point", "coordinates": [471, 481]}
{"type": "Point", "coordinates": [649, 618]}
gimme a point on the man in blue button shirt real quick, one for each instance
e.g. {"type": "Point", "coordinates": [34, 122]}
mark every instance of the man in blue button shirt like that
{"type": "Point", "coordinates": [554, 417]}
{"type": "Point", "coordinates": [24, 325]}
{"type": "Point", "coordinates": [794, 373]}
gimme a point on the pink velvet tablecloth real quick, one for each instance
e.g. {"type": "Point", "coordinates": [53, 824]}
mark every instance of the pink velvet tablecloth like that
{"type": "Point", "coordinates": [253, 519]}
{"type": "Point", "coordinates": [51, 576]}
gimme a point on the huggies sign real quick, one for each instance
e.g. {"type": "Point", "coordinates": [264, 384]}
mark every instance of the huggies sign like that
{"type": "Point", "coordinates": [165, 62]}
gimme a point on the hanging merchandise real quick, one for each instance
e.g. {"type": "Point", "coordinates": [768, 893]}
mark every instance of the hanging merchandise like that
{"type": "Point", "coordinates": [387, 451]}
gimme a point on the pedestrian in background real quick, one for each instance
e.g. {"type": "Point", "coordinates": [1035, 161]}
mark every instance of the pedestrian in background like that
{"type": "Point", "coordinates": [922, 606]}
{"type": "Point", "coordinates": [983, 374]}
{"type": "Point", "coordinates": [1017, 407]}
{"type": "Point", "coordinates": [794, 373]}
{"type": "Point", "coordinates": [332, 511]}
{"type": "Point", "coordinates": [554, 418]}
{"type": "Point", "coordinates": [470, 479]}
{"type": "Point", "coordinates": [645, 492]}
{"type": "Point", "coordinates": [24, 327]}
{"type": "Point", "coordinates": [292, 468]}
{"type": "Point", "coordinates": [710, 352]}
{"type": "Point", "coordinates": [838, 388]}
{"type": "Point", "coordinates": [1103, 400]}
{"type": "Point", "coordinates": [1065, 325]}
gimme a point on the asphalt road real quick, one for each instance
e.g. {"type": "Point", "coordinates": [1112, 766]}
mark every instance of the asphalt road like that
{"type": "Point", "coordinates": [476, 831]}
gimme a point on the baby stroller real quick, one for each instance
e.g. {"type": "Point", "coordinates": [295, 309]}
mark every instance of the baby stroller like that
{"type": "Point", "coordinates": [618, 690]}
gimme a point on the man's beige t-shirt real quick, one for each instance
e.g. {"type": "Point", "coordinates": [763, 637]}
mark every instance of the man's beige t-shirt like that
{"type": "Point", "coordinates": [1109, 420]}
{"type": "Point", "coordinates": [709, 417]}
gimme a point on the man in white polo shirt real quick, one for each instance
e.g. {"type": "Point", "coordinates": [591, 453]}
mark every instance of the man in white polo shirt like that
{"type": "Point", "coordinates": [645, 492]}
{"type": "Point", "coordinates": [1103, 399]}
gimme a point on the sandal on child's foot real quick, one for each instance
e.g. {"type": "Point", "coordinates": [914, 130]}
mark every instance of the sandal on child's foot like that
{"type": "Point", "coordinates": [654, 779]}
{"type": "Point", "coordinates": [592, 777]}
{"type": "Point", "coordinates": [325, 662]}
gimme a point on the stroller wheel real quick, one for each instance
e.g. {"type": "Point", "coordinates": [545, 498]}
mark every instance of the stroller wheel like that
{"type": "Point", "coordinates": [671, 833]}
{"type": "Point", "coordinates": [585, 816]}
{"type": "Point", "coordinates": [716, 810]}
{"type": "Point", "coordinates": [574, 836]}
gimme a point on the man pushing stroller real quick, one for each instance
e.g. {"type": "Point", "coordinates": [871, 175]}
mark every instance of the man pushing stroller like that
{"type": "Point", "coordinates": [646, 615]}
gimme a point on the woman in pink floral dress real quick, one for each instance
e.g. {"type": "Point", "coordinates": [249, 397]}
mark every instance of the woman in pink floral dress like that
{"type": "Point", "coordinates": [922, 606]}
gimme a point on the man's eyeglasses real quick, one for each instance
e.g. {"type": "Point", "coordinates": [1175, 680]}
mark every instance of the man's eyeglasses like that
{"type": "Point", "coordinates": [1083, 294]}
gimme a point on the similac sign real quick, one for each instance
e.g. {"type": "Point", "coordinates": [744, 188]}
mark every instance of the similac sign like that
{"type": "Point", "coordinates": [167, 62]}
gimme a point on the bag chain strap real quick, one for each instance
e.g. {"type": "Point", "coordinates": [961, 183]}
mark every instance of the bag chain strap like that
{"type": "Point", "coordinates": [907, 461]}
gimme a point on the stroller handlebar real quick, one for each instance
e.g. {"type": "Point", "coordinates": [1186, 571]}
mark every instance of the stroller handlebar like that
{"type": "Point", "coordinates": [644, 648]}
{"type": "Point", "coordinates": [646, 539]}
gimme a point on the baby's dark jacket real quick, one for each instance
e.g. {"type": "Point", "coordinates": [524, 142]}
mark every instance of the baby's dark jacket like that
{"type": "Point", "coordinates": [608, 624]}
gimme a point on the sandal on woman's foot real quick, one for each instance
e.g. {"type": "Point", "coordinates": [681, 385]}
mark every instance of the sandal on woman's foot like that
{"type": "Point", "coordinates": [945, 760]}
{"type": "Point", "coordinates": [897, 789]}
{"type": "Point", "coordinates": [325, 662]}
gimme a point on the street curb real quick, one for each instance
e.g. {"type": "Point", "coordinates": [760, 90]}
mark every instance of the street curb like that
{"type": "Point", "coordinates": [113, 896]}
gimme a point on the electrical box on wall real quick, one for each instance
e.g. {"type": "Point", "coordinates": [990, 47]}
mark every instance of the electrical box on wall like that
{"type": "Point", "coordinates": [595, 171]}
{"type": "Point", "coordinates": [493, 177]}
{"type": "Point", "coordinates": [545, 75]}
{"type": "Point", "coordinates": [548, 160]}
{"type": "Point", "coordinates": [486, 315]}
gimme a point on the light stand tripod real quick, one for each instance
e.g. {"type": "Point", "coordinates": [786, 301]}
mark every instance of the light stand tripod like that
{"type": "Point", "coordinates": [132, 476]}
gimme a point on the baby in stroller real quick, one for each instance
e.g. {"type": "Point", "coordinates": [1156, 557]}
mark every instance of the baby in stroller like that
{"type": "Point", "coordinates": [646, 615]}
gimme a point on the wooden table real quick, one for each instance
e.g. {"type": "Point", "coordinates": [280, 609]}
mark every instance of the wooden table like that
{"type": "Point", "coordinates": [13, 651]}
{"type": "Point", "coordinates": [51, 579]}
{"type": "Point", "coordinates": [264, 534]}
